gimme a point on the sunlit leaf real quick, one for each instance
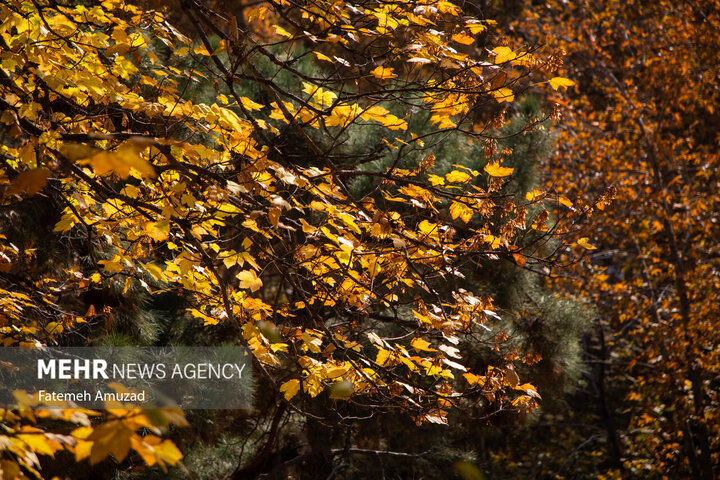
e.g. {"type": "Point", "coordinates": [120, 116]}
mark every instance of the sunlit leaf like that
{"type": "Point", "coordinates": [383, 73]}
{"type": "Point", "coordinates": [584, 242]}
{"type": "Point", "coordinates": [495, 170]}
{"type": "Point", "coordinates": [463, 39]}
{"type": "Point", "coordinates": [560, 83]}
{"type": "Point", "coordinates": [290, 388]}
{"type": "Point", "coordinates": [421, 345]}
{"type": "Point", "coordinates": [249, 279]}
{"type": "Point", "coordinates": [503, 54]}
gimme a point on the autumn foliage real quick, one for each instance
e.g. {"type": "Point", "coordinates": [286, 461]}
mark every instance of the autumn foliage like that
{"type": "Point", "coordinates": [258, 208]}
{"type": "Point", "coordinates": [343, 188]}
{"type": "Point", "coordinates": [642, 122]}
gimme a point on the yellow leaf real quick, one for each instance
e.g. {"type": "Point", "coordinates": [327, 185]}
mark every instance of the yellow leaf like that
{"type": "Point", "coordinates": [503, 54]}
{"type": "Point", "coordinates": [336, 371]}
{"type": "Point", "coordinates": [457, 176]}
{"type": "Point", "coordinates": [495, 170]}
{"type": "Point", "coordinates": [475, 28]}
{"type": "Point", "coordinates": [565, 201]}
{"type": "Point", "coordinates": [110, 438]}
{"type": "Point", "coordinates": [462, 38]}
{"type": "Point", "coordinates": [249, 279]}
{"type": "Point", "coordinates": [201, 50]}
{"type": "Point", "coordinates": [207, 320]}
{"type": "Point", "coordinates": [421, 345]}
{"type": "Point", "coordinates": [128, 284]}
{"type": "Point", "coordinates": [290, 388]}
{"type": "Point", "coordinates": [198, 231]}
{"type": "Point", "coordinates": [111, 266]}
{"type": "Point", "coordinates": [30, 181]}
{"type": "Point", "coordinates": [158, 231]}
{"type": "Point", "coordinates": [323, 57]}
{"type": "Point", "coordinates": [459, 209]}
{"type": "Point", "coordinates": [249, 104]}
{"type": "Point", "coordinates": [448, 7]}
{"type": "Point", "coordinates": [427, 228]}
{"type": "Point", "coordinates": [233, 258]}
{"type": "Point", "coordinates": [503, 94]}
{"type": "Point", "coordinates": [257, 14]}
{"type": "Point", "coordinates": [120, 161]}
{"type": "Point", "coordinates": [155, 271]}
{"type": "Point", "coordinates": [311, 342]}
{"type": "Point", "coordinates": [495, 242]}
{"type": "Point", "coordinates": [168, 452]}
{"type": "Point", "coordinates": [320, 95]}
{"type": "Point", "coordinates": [144, 449]}
{"type": "Point", "coordinates": [561, 83]}
{"type": "Point", "coordinates": [409, 363]}
{"type": "Point", "coordinates": [436, 180]}
{"type": "Point", "coordinates": [583, 242]}
{"type": "Point", "coordinates": [82, 432]}
{"type": "Point", "coordinates": [382, 357]}
{"type": "Point", "coordinates": [39, 443]}
{"type": "Point", "coordinates": [383, 73]}
{"type": "Point", "coordinates": [82, 450]}
{"type": "Point", "coordinates": [525, 387]}
{"type": "Point", "coordinates": [281, 31]}
{"type": "Point", "coordinates": [350, 222]}
{"type": "Point", "coordinates": [251, 224]}
{"type": "Point", "coordinates": [471, 378]}
{"type": "Point", "coordinates": [534, 194]}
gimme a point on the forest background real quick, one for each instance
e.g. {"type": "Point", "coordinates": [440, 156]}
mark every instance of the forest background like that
{"type": "Point", "coordinates": [471, 239]}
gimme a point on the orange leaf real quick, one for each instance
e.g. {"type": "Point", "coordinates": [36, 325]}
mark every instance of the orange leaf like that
{"type": "Point", "coordinates": [463, 38]}
{"type": "Point", "coordinates": [30, 181]}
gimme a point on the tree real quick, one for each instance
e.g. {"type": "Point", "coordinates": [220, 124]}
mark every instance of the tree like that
{"type": "Point", "coordinates": [261, 208]}
{"type": "Point", "coordinates": [641, 121]}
